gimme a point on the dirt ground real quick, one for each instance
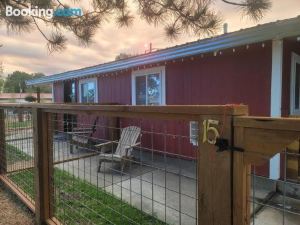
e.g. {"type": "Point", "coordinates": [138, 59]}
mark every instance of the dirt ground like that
{"type": "Point", "coordinates": [12, 211]}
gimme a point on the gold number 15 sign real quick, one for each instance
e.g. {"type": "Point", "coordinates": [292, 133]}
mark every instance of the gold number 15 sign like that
{"type": "Point", "coordinates": [209, 127]}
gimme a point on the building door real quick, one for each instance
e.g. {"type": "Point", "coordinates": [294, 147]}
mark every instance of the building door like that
{"type": "Point", "coordinates": [70, 97]}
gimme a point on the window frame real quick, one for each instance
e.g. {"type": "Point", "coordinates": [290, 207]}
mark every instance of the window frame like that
{"type": "Point", "coordinates": [295, 61]}
{"type": "Point", "coordinates": [193, 139]}
{"type": "Point", "coordinates": [146, 72]}
{"type": "Point", "coordinates": [84, 81]}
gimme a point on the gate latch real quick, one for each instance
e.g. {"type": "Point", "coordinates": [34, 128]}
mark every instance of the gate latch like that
{"type": "Point", "coordinates": [223, 145]}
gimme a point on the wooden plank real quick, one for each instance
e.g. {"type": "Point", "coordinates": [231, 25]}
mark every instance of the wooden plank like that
{"type": "Point", "coordinates": [241, 183]}
{"type": "Point", "coordinates": [135, 115]}
{"type": "Point", "coordinates": [174, 109]}
{"type": "Point", "coordinates": [215, 176]}
{"type": "Point", "coordinates": [265, 137]}
{"type": "Point", "coordinates": [286, 124]}
{"type": "Point", "coordinates": [293, 159]}
{"type": "Point", "coordinates": [263, 144]}
{"type": "Point", "coordinates": [43, 165]}
{"type": "Point", "coordinates": [3, 162]}
{"type": "Point", "coordinates": [241, 190]}
{"type": "Point", "coordinates": [53, 221]}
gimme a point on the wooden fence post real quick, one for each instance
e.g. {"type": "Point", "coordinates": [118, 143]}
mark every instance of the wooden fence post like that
{"type": "Point", "coordinates": [43, 149]}
{"type": "Point", "coordinates": [215, 168]}
{"type": "Point", "coordinates": [241, 182]}
{"type": "Point", "coordinates": [3, 163]}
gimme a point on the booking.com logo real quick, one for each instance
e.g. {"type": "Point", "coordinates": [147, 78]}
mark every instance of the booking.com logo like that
{"type": "Point", "coordinates": [49, 13]}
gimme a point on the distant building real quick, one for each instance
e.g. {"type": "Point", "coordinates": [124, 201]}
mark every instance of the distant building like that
{"type": "Point", "coordinates": [20, 97]}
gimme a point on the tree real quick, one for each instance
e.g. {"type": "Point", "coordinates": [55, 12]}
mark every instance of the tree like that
{"type": "Point", "coordinates": [1, 69]}
{"type": "Point", "coordinates": [43, 88]}
{"type": "Point", "coordinates": [123, 56]}
{"type": "Point", "coordinates": [197, 17]}
{"type": "Point", "coordinates": [15, 83]}
{"type": "Point", "coordinates": [30, 98]}
{"type": "Point", "coordinates": [1, 76]}
{"type": "Point", "coordinates": [1, 84]}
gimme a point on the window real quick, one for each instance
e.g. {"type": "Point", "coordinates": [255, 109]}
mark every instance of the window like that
{"type": "Point", "coordinates": [194, 130]}
{"type": "Point", "coordinates": [88, 91]}
{"type": "Point", "coordinates": [148, 87]}
{"type": "Point", "coordinates": [73, 92]}
{"type": "Point", "coordinates": [70, 92]}
{"type": "Point", "coordinates": [295, 85]}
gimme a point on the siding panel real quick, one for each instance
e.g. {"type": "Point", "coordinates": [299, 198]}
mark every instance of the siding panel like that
{"type": "Point", "coordinates": [230, 78]}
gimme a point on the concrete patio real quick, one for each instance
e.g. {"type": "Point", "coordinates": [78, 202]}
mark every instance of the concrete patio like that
{"type": "Point", "coordinates": [166, 187]}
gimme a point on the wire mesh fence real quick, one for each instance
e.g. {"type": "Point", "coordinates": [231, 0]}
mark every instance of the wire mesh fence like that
{"type": "Point", "coordinates": [18, 158]}
{"type": "Point", "coordinates": [127, 170]}
{"type": "Point", "coordinates": [276, 201]}
{"type": "Point", "coordinates": [122, 171]}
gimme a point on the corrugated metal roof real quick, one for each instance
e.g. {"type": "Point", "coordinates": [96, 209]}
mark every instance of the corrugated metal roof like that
{"type": "Point", "coordinates": [269, 31]}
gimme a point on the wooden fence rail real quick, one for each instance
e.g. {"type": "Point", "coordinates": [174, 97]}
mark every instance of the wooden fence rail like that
{"type": "Point", "coordinates": [229, 143]}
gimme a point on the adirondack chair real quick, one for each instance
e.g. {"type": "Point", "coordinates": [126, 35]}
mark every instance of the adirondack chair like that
{"type": "Point", "coordinates": [81, 136]}
{"type": "Point", "coordinates": [128, 140]}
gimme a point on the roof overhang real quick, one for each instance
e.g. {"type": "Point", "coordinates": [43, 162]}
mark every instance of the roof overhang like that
{"type": "Point", "coordinates": [270, 31]}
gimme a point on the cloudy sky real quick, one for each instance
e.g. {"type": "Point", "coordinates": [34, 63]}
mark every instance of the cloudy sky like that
{"type": "Point", "coordinates": [28, 52]}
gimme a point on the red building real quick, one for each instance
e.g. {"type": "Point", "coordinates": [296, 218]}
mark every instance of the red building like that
{"type": "Point", "coordinates": [258, 66]}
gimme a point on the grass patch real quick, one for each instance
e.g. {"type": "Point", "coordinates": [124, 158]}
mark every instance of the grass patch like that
{"type": "Point", "coordinates": [17, 124]}
{"type": "Point", "coordinates": [24, 180]}
{"type": "Point", "coordinates": [78, 202]}
{"type": "Point", "coordinates": [14, 154]}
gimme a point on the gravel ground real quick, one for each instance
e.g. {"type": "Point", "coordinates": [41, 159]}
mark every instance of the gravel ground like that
{"type": "Point", "coordinates": [12, 211]}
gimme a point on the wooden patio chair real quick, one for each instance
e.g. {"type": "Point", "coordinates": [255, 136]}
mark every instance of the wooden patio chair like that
{"type": "Point", "coordinates": [81, 136]}
{"type": "Point", "coordinates": [128, 140]}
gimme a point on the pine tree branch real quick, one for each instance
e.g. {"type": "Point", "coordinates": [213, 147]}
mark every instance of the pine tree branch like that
{"type": "Point", "coordinates": [39, 29]}
{"type": "Point", "coordinates": [235, 3]}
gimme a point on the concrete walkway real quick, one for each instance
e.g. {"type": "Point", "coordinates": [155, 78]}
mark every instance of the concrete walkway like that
{"type": "Point", "coordinates": [160, 189]}
{"type": "Point", "coordinates": [273, 213]}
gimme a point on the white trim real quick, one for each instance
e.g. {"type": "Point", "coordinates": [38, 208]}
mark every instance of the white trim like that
{"type": "Point", "coordinates": [276, 79]}
{"type": "Point", "coordinates": [295, 60]}
{"type": "Point", "coordinates": [161, 70]}
{"type": "Point", "coordinates": [83, 81]}
{"type": "Point", "coordinates": [276, 95]}
{"type": "Point", "coordinates": [275, 167]}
